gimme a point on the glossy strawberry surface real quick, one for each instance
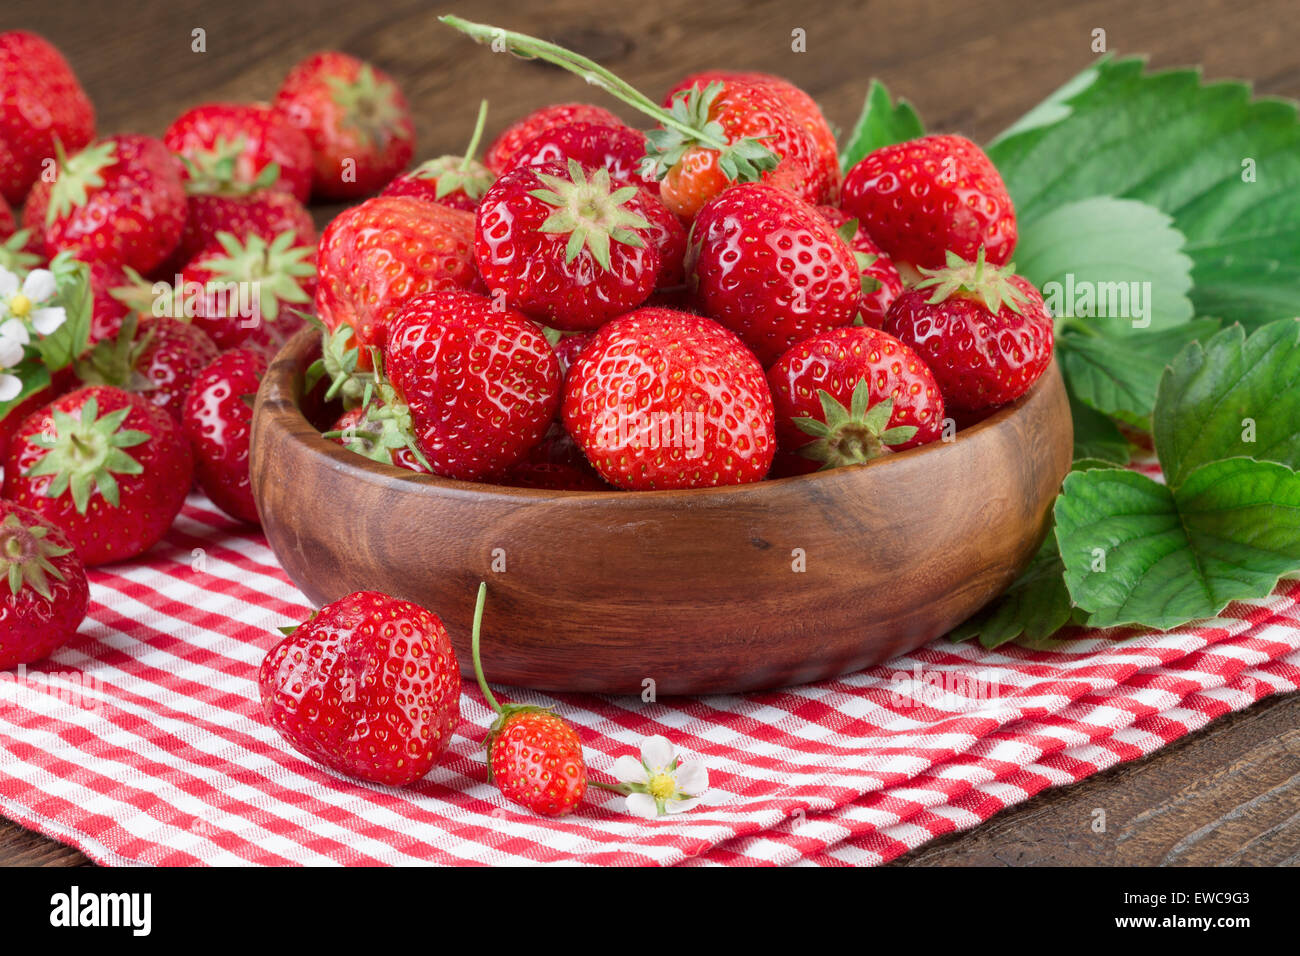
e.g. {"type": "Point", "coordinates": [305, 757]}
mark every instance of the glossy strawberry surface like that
{"type": "Point", "coordinates": [927, 197]}
{"type": "Point", "coordinates": [769, 267]}
{"type": "Point", "coordinates": [501, 151]}
{"type": "Point", "coordinates": [218, 424]}
{"type": "Point", "coordinates": [665, 399]}
{"type": "Point", "coordinates": [536, 761]}
{"type": "Point", "coordinates": [254, 134]}
{"type": "Point", "coordinates": [43, 589]}
{"type": "Point", "coordinates": [369, 686]}
{"type": "Point", "coordinates": [265, 213]}
{"type": "Point", "coordinates": [482, 384]}
{"type": "Point", "coordinates": [618, 148]}
{"type": "Point", "coordinates": [447, 180]}
{"type": "Point", "coordinates": [881, 283]}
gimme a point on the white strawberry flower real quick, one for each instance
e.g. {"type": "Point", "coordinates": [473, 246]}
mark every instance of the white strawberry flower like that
{"type": "Point", "coordinates": [26, 300]}
{"type": "Point", "coordinates": [660, 783]}
{"type": "Point", "coordinates": [13, 340]}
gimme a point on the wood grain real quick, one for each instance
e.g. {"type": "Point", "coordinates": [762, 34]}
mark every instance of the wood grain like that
{"type": "Point", "coordinates": [972, 68]}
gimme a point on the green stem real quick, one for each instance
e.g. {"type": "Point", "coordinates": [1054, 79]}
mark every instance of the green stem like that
{"type": "Point", "coordinates": [478, 135]}
{"type": "Point", "coordinates": [474, 643]}
{"type": "Point", "coordinates": [616, 787]}
{"type": "Point", "coordinates": [589, 70]}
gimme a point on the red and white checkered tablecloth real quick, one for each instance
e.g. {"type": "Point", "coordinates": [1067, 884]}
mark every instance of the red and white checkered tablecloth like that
{"type": "Point", "coordinates": [143, 741]}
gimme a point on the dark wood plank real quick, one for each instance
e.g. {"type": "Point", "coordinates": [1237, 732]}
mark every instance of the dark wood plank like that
{"type": "Point", "coordinates": [973, 68]}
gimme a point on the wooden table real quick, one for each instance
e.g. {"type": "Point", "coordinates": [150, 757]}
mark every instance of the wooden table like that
{"type": "Point", "coordinates": [1228, 794]}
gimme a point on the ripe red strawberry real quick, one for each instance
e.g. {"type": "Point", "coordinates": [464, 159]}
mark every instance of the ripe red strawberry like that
{"type": "Point", "coordinates": [158, 357]}
{"type": "Point", "coordinates": [534, 756]}
{"type": "Point", "coordinates": [768, 266]}
{"type": "Point", "coordinates": [7, 223]}
{"type": "Point", "coordinates": [107, 310]}
{"type": "Point", "coordinates": [237, 142]}
{"type": "Point", "coordinates": [850, 395]}
{"type": "Point", "coordinates": [984, 332]}
{"type": "Point", "coordinates": [664, 399]}
{"type": "Point", "coordinates": [501, 153]}
{"type": "Point", "coordinates": [15, 417]}
{"type": "Point", "coordinates": [266, 213]}
{"type": "Point", "coordinates": [881, 283]}
{"type": "Point", "coordinates": [356, 119]}
{"type": "Point", "coordinates": [376, 256]}
{"type": "Point", "coordinates": [924, 198]}
{"type": "Point", "coordinates": [103, 465]}
{"type": "Point", "coordinates": [43, 590]}
{"type": "Point", "coordinates": [481, 383]}
{"type": "Point", "coordinates": [368, 686]}
{"type": "Point", "coordinates": [41, 103]}
{"type": "Point", "coordinates": [218, 424]}
{"type": "Point", "coordinates": [555, 463]}
{"type": "Point", "coordinates": [566, 246]}
{"type": "Point", "coordinates": [120, 200]}
{"type": "Point", "coordinates": [616, 147]}
{"type": "Point", "coordinates": [804, 109]}
{"type": "Point", "coordinates": [568, 347]}
{"type": "Point", "coordinates": [455, 181]}
{"type": "Point", "coordinates": [363, 430]}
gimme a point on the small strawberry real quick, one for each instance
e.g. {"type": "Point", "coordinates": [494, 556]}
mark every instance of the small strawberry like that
{"type": "Point", "coordinates": [664, 399]}
{"type": "Point", "coordinates": [157, 357]}
{"type": "Point", "coordinates": [881, 283]}
{"type": "Point", "coordinates": [368, 686]}
{"type": "Point", "coordinates": [239, 142]}
{"type": "Point", "coordinates": [481, 384]}
{"type": "Point", "coordinates": [849, 395]}
{"type": "Point", "coordinates": [218, 423]}
{"type": "Point", "coordinates": [768, 266]}
{"type": "Point", "coordinates": [565, 245]}
{"type": "Point", "coordinates": [984, 332]}
{"type": "Point", "coordinates": [930, 196]}
{"type": "Point", "coordinates": [106, 467]}
{"type": "Point", "coordinates": [617, 148]}
{"type": "Point", "coordinates": [41, 103]}
{"type": "Point", "coordinates": [375, 256]}
{"type": "Point", "coordinates": [369, 433]}
{"type": "Point", "coordinates": [266, 213]}
{"type": "Point", "coordinates": [120, 200]}
{"type": "Point", "coordinates": [500, 154]}
{"type": "Point", "coordinates": [455, 181]}
{"type": "Point", "coordinates": [43, 589]}
{"type": "Point", "coordinates": [534, 756]}
{"type": "Point", "coordinates": [356, 119]}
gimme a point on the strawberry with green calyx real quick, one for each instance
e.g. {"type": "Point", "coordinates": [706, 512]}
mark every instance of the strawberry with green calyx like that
{"type": "Point", "coordinates": [225, 144]}
{"type": "Point", "coordinates": [340, 363]}
{"type": "Point", "coordinates": [283, 270]}
{"type": "Point", "coordinates": [214, 171]}
{"type": "Point", "coordinates": [880, 280]}
{"type": "Point", "coordinates": [534, 756]}
{"type": "Point", "coordinates": [43, 590]}
{"type": "Point", "coordinates": [380, 427]}
{"type": "Point", "coordinates": [456, 181]}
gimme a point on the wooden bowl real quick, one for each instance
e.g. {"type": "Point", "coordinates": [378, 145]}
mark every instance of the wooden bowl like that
{"type": "Point", "coordinates": [707, 591]}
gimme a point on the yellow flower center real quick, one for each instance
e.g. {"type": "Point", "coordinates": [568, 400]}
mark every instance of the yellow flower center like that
{"type": "Point", "coordinates": [20, 305]}
{"type": "Point", "coordinates": [662, 786]}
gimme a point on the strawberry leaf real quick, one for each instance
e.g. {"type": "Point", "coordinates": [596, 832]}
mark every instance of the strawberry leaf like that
{"type": "Point", "coordinates": [881, 123]}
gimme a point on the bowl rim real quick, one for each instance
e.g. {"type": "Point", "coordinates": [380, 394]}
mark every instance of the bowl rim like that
{"type": "Point", "coordinates": [287, 363]}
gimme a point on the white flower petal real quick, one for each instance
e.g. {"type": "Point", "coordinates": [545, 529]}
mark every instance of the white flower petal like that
{"type": "Point", "coordinates": [642, 805]}
{"type": "Point", "coordinates": [8, 283]}
{"type": "Point", "coordinates": [681, 806]}
{"type": "Point", "coordinates": [10, 386]}
{"type": "Point", "coordinates": [692, 778]}
{"type": "Point", "coordinates": [48, 321]}
{"type": "Point", "coordinates": [657, 751]}
{"type": "Point", "coordinates": [14, 330]}
{"type": "Point", "coordinates": [40, 285]}
{"type": "Point", "coordinates": [11, 353]}
{"type": "Point", "coordinates": [629, 770]}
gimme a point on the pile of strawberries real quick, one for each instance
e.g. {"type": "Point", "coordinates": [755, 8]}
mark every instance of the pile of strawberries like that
{"type": "Point", "coordinates": [590, 307]}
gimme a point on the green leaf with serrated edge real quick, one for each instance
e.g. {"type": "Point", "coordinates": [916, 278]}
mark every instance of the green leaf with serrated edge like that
{"type": "Point", "coordinates": [1225, 166]}
{"type": "Point", "coordinates": [1139, 552]}
{"type": "Point", "coordinates": [881, 123]}
{"type": "Point", "coordinates": [1231, 396]}
{"type": "Point", "coordinates": [70, 340]}
{"type": "Point", "coordinates": [1112, 265]}
{"type": "Point", "coordinates": [1118, 377]}
{"type": "Point", "coordinates": [1096, 436]}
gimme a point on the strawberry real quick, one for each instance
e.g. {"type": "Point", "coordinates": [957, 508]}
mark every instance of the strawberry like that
{"type": "Point", "coordinates": [103, 465]}
{"type": "Point", "coordinates": [534, 756]}
{"type": "Point", "coordinates": [984, 332]}
{"type": "Point", "coordinates": [850, 395]}
{"type": "Point", "coordinates": [368, 686]}
{"type": "Point", "coordinates": [41, 103]}
{"type": "Point", "coordinates": [668, 236]}
{"type": "Point", "coordinates": [107, 280]}
{"type": "Point", "coordinates": [881, 283]}
{"type": "Point", "coordinates": [555, 463]}
{"type": "Point", "coordinates": [218, 423]}
{"type": "Point", "coordinates": [158, 357]}
{"type": "Point", "coordinates": [924, 198]}
{"type": "Point", "coordinates": [565, 245]}
{"type": "Point", "coordinates": [500, 153]}
{"type": "Point", "coordinates": [120, 200]}
{"type": "Point", "coordinates": [43, 589]}
{"type": "Point", "coordinates": [239, 142]}
{"type": "Point", "coordinates": [7, 224]}
{"type": "Point", "coordinates": [455, 181]}
{"type": "Point", "coordinates": [768, 266]}
{"type": "Point", "coordinates": [802, 107]}
{"type": "Point", "coordinates": [568, 346]}
{"type": "Point", "coordinates": [364, 431]}
{"type": "Point", "coordinates": [664, 399]}
{"type": "Point", "coordinates": [15, 417]}
{"type": "Point", "coordinates": [618, 148]}
{"type": "Point", "coordinates": [481, 383]}
{"type": "Point", "coordinates": [266, 213]}
{"type": "Point", "coordinates": [356, 120]}
{"type": "Point", "coordinates": [376, 256]}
